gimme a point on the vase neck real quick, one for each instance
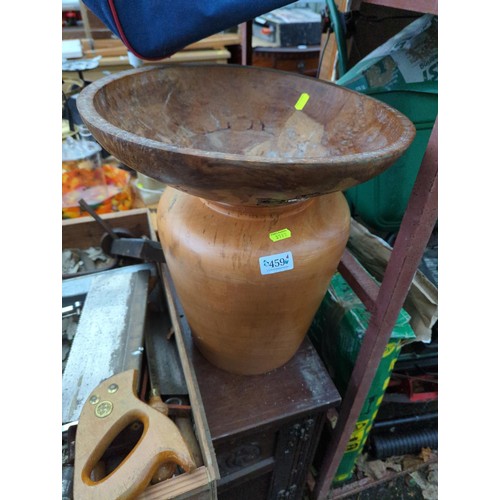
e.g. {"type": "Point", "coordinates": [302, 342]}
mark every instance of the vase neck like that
{"type": "Point", "coordinates": [258, 211]}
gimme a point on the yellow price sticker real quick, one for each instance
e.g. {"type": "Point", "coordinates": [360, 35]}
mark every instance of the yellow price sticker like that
{"type": "Point", "coordinates": [302, 101]}
{"type": "Point", "coordinates": [282, 234]}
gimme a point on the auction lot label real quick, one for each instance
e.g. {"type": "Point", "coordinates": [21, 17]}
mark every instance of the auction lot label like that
{"type": "Point", "coordinates": [276, 263]}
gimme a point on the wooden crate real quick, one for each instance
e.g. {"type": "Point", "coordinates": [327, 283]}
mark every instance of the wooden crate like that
{"type": "Point", "coordinates": [201, 483]}
{"type": "Point", "coordinates": [83, 232]}
{"type": "Point", "coordinates": [199, 416]}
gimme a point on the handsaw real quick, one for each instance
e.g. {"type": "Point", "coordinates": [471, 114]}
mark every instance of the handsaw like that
{"type": "Point", "coordinates": [112, 406]}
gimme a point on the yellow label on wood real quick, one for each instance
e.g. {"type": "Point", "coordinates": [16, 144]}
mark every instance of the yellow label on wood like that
{"type": "Point", "coordinates": [299, 105]}
{"type": "Point", "coordinates": [282, 234]}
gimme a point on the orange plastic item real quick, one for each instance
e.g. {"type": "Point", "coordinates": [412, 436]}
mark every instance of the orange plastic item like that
{"type": "Point", "coordinates": [77, 183]}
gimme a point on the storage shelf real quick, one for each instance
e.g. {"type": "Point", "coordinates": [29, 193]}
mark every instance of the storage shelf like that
{"type": "Point", "coordinates": [384, 302]}
{"type": "Point", "coordinates": [423, 6]}
{"type": "Point", "coordinates": [416, 228]}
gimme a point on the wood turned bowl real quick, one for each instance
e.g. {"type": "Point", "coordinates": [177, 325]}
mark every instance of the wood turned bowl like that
{"type": "Point", "coordinates": [239, 135]}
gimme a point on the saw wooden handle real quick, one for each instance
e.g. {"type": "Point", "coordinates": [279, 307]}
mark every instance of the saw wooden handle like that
{"type": "Point", "coordinates": [111, 407]}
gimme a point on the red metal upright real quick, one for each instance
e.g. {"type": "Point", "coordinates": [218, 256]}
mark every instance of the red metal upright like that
{"type": "Point", "coordinates": [416, 227]}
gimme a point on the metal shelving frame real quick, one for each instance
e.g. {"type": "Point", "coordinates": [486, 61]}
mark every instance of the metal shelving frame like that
{"type": "Point", "coordinates": [385, 301]}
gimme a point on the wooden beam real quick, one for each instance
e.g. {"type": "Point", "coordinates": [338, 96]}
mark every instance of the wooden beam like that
{"type": "Point", "coordinates": [180, 325]}
{"type": "Point", "coordinates": [423, 6]}
{"type": "Point", "coordinates": [183, 486]}
{"type": "Point", "coordinates": [359, 280]}
{"type": "Point", "coordinates": [328, 57]}
{"type": "Point", "coordinates": [85, 20]}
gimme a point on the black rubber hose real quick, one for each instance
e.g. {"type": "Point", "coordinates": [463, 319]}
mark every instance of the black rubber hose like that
{"type": "Point", "coordinates": [406, 420]}
{"type": "Point", "coordinates": [389, 445]}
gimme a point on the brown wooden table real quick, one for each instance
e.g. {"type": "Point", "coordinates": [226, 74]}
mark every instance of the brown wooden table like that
{"type": "Point", "coordinates": [265, 428]}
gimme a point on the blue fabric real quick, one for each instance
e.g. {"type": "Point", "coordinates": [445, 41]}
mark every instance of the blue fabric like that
{"type": "Point", "coordinates": [154, 29]}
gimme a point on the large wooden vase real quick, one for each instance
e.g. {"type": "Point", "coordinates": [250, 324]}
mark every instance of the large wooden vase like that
{"type": "Point", "coordinates": [251, 278]}
{"type": "Point", "coordinates": [254, 223]}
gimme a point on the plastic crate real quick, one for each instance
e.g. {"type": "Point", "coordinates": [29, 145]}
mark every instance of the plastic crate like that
{"type": "Point", "coordinates": [381, 202]}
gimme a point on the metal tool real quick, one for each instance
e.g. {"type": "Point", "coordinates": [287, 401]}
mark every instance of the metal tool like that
{"type": "Point", "coordinates": [164, 365]}
{"type": "Point", "coordinates": [118, 242]}
{"type": "Point", "coordinates": [167, 378]}
{"type": "Point", "coordinates": [137, 248]}
{"type": "Point", "coordinates": [72, 310]}
{"type": "Point", "coordinates": [107, 228]}
{"type": "Point", "coordinates": [109, 337]}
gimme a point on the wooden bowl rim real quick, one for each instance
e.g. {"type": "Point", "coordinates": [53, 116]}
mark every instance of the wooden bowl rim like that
{"type": "Point", "coordinates": [89, 114]}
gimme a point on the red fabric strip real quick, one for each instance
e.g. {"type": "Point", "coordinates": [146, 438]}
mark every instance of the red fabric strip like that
{"type": "Point", "coordinates": [124, 38]}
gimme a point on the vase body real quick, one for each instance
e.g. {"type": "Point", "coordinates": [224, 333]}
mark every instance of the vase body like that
{"type": "Point", "coordinates": [250, 279]}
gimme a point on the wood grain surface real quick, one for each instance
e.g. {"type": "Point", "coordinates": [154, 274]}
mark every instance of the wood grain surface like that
{"type": "Point", "coordinates": [243, 320]}
{"type": "Point", "coordinates": [233, 134]}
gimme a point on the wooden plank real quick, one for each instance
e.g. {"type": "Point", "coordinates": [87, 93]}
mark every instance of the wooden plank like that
{"type": "Point", "coordinates": [328, 57]}
{"type": "Point", "coordinates": [186, 486]}
{"type": "Point", "coordinates": [247, 473]}
{"type": "Point", "coordinates": [107, 43]}
{"type": "Point", "coordinates": [113, 47]}
{"type": "Point", "coordinates": [416, 228]}
{"type": "Point", "coordinates": [106, 52]}
{"type": "Point", "coordinates": [423, 6]}
{"type": "Point", "coordinates": [85, 231]}
{"type": "Point", "coordinates": [201, 425]}
{"type": "Point", "coordinates": [195, 55]}
{"type": "Point", "coordinates": [347, 5]}
{"type": "Point", "coordinates": [359, 280]}
{"type": "Point", "coordinates": [374, 253]}
{"type": "Point", "coordinates": [121, 63]}
{"type": "Point", "coordinates": [85, 19]}
{"type": "Point", "coordinates": [113, 62]}
{"type": "Point", "coordinates": [217, 41]}
{"type": "Point", "coordinates": [245, 30]}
